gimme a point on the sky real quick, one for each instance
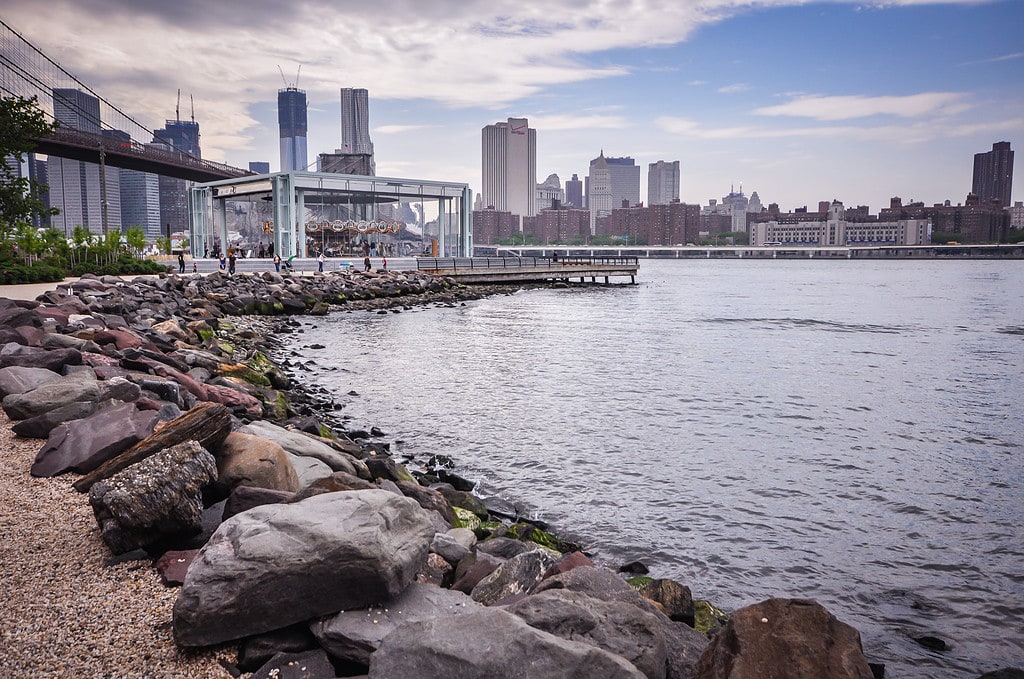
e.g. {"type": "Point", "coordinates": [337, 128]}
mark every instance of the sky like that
{"type": "Point", "coordinates": [799, 101]}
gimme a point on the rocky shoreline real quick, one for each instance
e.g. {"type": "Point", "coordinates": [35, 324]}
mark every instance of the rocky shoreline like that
{"type": "Point", "coordinates": [184, 506]}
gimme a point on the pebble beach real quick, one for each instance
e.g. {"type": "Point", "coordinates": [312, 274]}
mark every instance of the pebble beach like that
{"type": "Point", "coordinates": [63, 611]}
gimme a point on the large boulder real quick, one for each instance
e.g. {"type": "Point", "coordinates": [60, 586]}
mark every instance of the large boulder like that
{"type": "Point", "coordinates": [247, 460]}
{"type": "Point", "coordinates": [157, 498]}
{"type": "Point", "coordinates": [298, 443]}
{"type": "Point", "coordinates": [51, 395]}
{"type": "Point", "coordinates": [34, 357]}
{"type": "Point", "coordinates": [84, 444]}
{"type": "Point", "coordinates": [489, 644]}
{"type": "Point", "coordinates": [618, 628]}
{"type": "Point", "coordinates": [354, 634]}
{"type": "Point", "coordinates": [684, 644]}
{"type": "Point", "coordinates": [275, 565]}
{"type": "Point", "coordinates": [793, 638]}
{"type": "Point", "coordinates": [17, 379]}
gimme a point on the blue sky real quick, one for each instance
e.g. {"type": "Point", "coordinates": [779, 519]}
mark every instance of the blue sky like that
{"type": "Point", "coordinates": [799, 101]}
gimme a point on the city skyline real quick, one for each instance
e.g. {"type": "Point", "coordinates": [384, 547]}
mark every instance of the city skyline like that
{"type": "Point", "coordinates": [853, 100]}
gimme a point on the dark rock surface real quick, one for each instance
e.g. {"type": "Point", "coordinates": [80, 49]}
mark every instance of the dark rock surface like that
{"type": "Point", "coordinates": [795, 638]}
{"type": "Point", "coordinates": [84, 444]}
{"type": "Point", "coordinates": [154, 499]}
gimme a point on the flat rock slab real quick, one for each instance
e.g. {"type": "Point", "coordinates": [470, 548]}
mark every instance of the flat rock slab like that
{"type": "Point", "coordinates": [490, 644]}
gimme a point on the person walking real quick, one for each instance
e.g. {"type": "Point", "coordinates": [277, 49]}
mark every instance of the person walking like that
{"type": "Point", "coordinates": [231, 263]}
{"type": "Point", "coordinates": [277, 263]}
{"type": "Point", "coordinates": [181, 262]}
{"type": "Point", "coordinates": [366, 263]}
{"type": "Point", "coordinates": [320, 262]}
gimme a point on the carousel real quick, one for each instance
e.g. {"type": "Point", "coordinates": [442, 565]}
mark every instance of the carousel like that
{"type": "Point", "coordinates": [304, 213]}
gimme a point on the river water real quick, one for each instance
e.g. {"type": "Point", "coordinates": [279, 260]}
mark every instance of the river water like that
{"type": "Point", "coordinates": [847, 431]}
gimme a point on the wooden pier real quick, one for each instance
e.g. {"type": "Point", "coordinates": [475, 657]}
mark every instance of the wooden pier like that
{"type": "Point", "coordinates": [477, 270]}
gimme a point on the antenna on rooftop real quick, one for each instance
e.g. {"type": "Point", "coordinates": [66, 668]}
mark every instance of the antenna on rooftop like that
{"type": "Point", "coordinates": [177, 106]}
{"type": "Point", "coordinates": [193, 102]}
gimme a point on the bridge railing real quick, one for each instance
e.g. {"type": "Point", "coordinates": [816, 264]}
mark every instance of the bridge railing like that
{"type": "Point", "coordinates": [484, 263]}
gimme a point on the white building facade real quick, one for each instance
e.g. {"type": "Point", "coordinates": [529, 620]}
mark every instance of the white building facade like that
{"type": "Point", "coordinates": [509, 167]}
{"type": "Point", "coordinates": [835, 230]}
{"type": "Point", "coordinates": [662, 182]}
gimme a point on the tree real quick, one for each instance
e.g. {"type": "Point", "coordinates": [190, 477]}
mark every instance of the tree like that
{"type": "Point", "coordinates": [136, 239]}
{"type": "Point", "coordinates": [21, 120]}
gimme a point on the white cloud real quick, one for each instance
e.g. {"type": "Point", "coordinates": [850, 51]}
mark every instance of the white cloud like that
{"type": "Point", "coordinates": [733, 89]}
{"type": "Point", "coordinates": [859, 106]}
{"type": "Point", "coordinates": [400, 129]}
{"type": "Point", "coordinates": [995, 60]}
{"type": "Point", "coordinates": [918, 132]}
{"type": "Point", "coordinates": [574, 122]}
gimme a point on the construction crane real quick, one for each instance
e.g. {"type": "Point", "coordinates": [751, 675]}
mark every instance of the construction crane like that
{"type": "Point", "coordinates": [295, 85]}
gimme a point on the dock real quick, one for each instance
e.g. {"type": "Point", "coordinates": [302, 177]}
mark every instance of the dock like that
{"type": "Point", "coordinates": [498, 270]}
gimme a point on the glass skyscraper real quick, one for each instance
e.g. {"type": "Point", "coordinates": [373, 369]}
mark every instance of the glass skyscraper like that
{"type": "Point", "coordinates": [291, 119]}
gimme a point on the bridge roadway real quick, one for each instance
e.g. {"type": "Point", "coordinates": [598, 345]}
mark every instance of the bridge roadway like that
{"type": "Point", "coordinates": [132, 155]}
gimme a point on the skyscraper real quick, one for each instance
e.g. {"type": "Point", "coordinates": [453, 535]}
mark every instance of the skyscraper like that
{"type": "Point", "coordinates": [176, 135]}
{"type": "Point", "coordinates": [259, 166]}
{"type": "Point", "coordinates": [355, 121]}
{"type": "Point", "coordinates": [599, 183]}
{"type": "Point", "coordinates": [662, 182]}
{"type": "Point", "coordinates": [574, 191]}
{"type": "Point", "coordinates": [78, 189]}
{"type": "Point", "coordinates": [993, 174]}
{"type": "Point", "coordinates": [291, 119]}
{"type": "Point", "coordinates": [510, 167]}
{"type": "Point", "coordinates": [624, 176]}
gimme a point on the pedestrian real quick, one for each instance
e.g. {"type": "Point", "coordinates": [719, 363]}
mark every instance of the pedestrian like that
{"type": "Point", "coordinates": [366, 263]}
{"type": "Point", "coordinates": [263, 250]}
{"type": "Point", "coordinates": [231, 263]}
{"type": "Point", "coordinates": [181, 262]}
{"type": "Point", "coordinates": [223, 262]}
{"type": "Point", "coordinates": [320, 262]}
{"type": "Point", "coordinates": [385, 263]}
{"type": "Point", "coordinates": [195, 267]}
{"type": "Point", "coordinates": [277, 263]}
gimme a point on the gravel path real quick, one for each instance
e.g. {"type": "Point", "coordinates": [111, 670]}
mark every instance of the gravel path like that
{"type": "Point", "coordinates": [62, 612]}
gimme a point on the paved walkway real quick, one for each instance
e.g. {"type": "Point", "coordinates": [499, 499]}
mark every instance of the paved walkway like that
{"type": "Point", "coordinates": [302, 267]}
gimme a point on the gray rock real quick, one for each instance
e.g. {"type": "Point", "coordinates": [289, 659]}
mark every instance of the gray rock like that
{"type": "Point", "coordinates": [297, 443]}
{"type": "Point", "coordinates": [518, 575]}
{"type": "Point", "coordinates": [84, 444]}
{"type": "Point", "coordinates": [354, 635]}
{"type": "Point", "coordinates": [16, 379]}
{"type": "Point", "coordinates": [308, 469]}
{"type": "Point", "coordinates": [275, 565]}
{"type": "Point", "coordinates": [505, 548]}
{"type": "Point", "coordinates": [489, 644]}
{"type": "Point", "coordinates": [121, 389]}
{"type": "Point", "coordinates": [621, 629]}
{"type": "Point", "coordinates": [451, 548]}
{"type": "Point", "coordinates": [49, 396]}
{"type": "Point", "coordinates": [154, 499]}
{"type": "Point", "coordinates": [684, 643]}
